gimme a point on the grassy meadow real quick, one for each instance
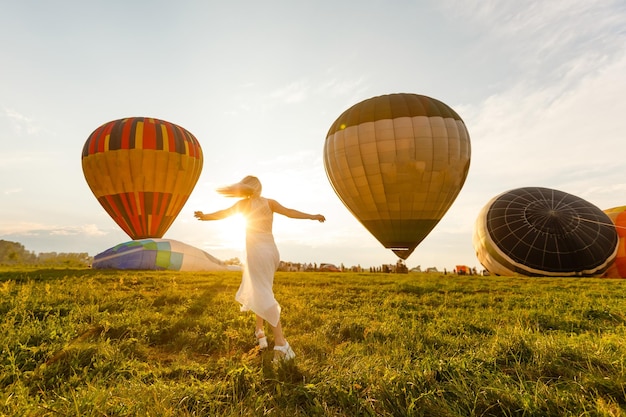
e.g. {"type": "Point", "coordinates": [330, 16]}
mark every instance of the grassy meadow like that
{"type": "Point", "coordinates": [80, 342]}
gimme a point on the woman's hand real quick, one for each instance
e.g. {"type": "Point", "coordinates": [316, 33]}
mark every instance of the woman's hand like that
{"type": "Point", "coordinates": [319, 218]}
{"type": "Point", "coordinates": [198, 215]}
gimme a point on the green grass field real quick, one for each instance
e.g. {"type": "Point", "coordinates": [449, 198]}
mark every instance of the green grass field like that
{"type": "Point", "coordinates": [92, 343]}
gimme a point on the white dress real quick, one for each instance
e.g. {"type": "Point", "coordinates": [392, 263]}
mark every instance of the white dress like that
{"type": "Point", "coordinates": [261, 262]}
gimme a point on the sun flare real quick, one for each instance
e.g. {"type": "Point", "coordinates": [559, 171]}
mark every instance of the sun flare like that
{"type": "Point", "coordinates": [232, 232]}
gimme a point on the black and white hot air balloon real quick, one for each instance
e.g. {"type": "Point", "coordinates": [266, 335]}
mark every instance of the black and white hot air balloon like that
{"type": "Point", "coordinates": [535, 231]}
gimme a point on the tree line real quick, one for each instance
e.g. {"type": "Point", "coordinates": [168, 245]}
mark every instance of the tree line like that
{"type": "Point", "coordinates": [14, 253]}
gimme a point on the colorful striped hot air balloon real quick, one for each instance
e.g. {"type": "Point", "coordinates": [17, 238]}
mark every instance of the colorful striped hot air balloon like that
{"type": "Point", "coordinates": [618, 216]}
{"type": "Point", "coordinates": [537, 231]}
{"type": "Point", "coordinates": [398, 162]}
{"type": "Point", "coordinates": [142, 171]}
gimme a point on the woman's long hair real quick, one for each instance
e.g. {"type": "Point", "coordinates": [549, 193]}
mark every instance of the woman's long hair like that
{"type": "Point", "coordinates": [248, 187]}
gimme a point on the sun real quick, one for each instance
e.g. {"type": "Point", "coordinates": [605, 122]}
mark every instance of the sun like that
{"type": "Point", "coordinates": [232, 232]}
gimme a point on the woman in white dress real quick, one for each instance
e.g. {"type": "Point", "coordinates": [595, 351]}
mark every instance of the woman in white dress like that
{"type": "Point", "coordinates": [261, 261]}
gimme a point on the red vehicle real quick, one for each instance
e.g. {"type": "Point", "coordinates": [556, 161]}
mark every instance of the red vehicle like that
{"type": "Point", "coordinates": [329, 268]}
{"type": "Point", "coordinates": [463, 270]}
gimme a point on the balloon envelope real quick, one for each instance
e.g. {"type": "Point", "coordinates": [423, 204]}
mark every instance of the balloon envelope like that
{"type": "Point", "coordinates": [618, 216]}
{"type": "Point", "coordinates": [142, 172]}
{"type": "Point", "coordinates": [157, 254]}
{"type": "Point", "coordinates": [398, 162]}
{"type": "Point", "coordinates": [535, 231]}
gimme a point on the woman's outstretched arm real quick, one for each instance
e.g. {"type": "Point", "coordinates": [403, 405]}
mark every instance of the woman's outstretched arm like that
{"type": "Point", "coordinates": [294, 214]}
{"type": "Point", "coordinates": [217, 215]}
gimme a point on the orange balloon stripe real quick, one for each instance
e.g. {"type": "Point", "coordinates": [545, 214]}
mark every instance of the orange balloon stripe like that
{"type": "Point", "coordinates": [167, 142]}
{"type": "Point", "coordinates": [142, 133]}
{"type": "Point", "coordinates": [91, 144]}
{"type": "Point", "coordinates": [142, 214]}
{"type": "Point", "coordinates": [136, 212]}
{"type": "Point", "coordinates": [147, 206]}
{"type": "Point", "coordinates": [618, 217]}
{"type": "Point", "coordinates": [162, 201]}
{"type": "Point", "coordinates": [141, 221]}
{"type": "Point", "coordinates": [149, 136]}
{"type": "Point", "coordinates": [124, 137]}
{"type": "Point", "coordinates": [146, 170]}
{"type": "Point", "coordinates": [178, 139]}
{"type": "Point", "coordinates": [137, 137]}
{"type": "Point", "coordinates": [129, 202]}
{"type": "Point", "coordinates": [105, 140]}
{"type": "Point", "coordinates": [109, 204]}
{"type": "Point", "coordinates": [161, 219]}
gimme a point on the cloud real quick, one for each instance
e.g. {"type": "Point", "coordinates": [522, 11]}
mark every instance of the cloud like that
{"type": "Point", "coordinates": [532, 134]}
{"type": "Point", "coordinates": [295, 92]}
{"type": "Point", "coordinates": [85, 230]}
{"type": "Point", "coordinates": [545, 26]}
{"type": "Point", "coordinates": [566, 135]}
{"type": "Point", "coordinates": [15, 161]}
{"type": "Point", "coordinates": [21, 124]}
{"type": "Point", "coordinates": [37, 237]}
{"type": "Point", "coordinates": [18, 229]}
{"type": "Point", "coordinates": [11, 114]}
{"type": "Point", "coordinates": [346, 86]}
{"type": "Point", "coordinates": [541, 41]}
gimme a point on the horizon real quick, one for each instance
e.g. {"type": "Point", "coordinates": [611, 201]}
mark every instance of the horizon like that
{"type": "Point", "coordinates": [540, 87]}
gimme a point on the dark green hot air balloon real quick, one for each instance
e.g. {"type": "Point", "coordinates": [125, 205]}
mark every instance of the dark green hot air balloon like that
{"type": "Point", "coordinates": [398, 162]}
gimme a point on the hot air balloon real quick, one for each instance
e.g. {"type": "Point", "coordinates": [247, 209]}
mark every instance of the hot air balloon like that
{"type": "Point", "coordinates": [142, 171]}
{"type": "Point", "coordinates": [397, 162]}
{"type": "Point", "coordinates": [618, 216]}
{"type": "Point", "coordinates": [535, 231]}
{"type": "Point", "coordinates": [157, 254]}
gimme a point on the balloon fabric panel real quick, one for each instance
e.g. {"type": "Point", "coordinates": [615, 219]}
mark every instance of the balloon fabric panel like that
{"type": "Point", "coordinates": [142, 259]}
{"type": "Point", "coordinates": [390, 107]}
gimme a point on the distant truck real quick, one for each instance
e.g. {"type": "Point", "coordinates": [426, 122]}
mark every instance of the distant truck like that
{"type": "Point", "coordinates": [463, 270]}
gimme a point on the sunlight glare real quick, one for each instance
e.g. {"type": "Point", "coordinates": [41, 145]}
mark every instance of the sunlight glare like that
{"type": "Point", "coordinates": [232, 232]}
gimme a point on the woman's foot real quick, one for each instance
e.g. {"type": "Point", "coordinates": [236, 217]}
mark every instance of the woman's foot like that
{"type": "Point", "coordinates": [283, 353]}
{"type": "Point", "coordinates": [260, 337]}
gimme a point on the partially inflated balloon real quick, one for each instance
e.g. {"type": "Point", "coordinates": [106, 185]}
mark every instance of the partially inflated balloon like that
{"type": "Point", "coordinates": [536, 231]}
{"type": "Point", "coordinates": [142, 171]}
{"type": "Point", "coordinates": [618, 216]}
{"type": "Point", "coordinates": [398, 162]}
{"type": "Point", "coordinates": [157, 254]}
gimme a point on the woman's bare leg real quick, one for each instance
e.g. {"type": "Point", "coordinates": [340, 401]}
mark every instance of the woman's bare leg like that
{"type": "Point", "coordinates": [259, 324]}
{"type": "Point", "coordinates": [282, 350]}
{"type": "Point", "coordinates": [279, 338]}
{"type": "Point", "coordinates": [259, 332]}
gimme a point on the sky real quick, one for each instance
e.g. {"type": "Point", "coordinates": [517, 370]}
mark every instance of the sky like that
{"type": "Point", "coordinates": [541, 87]}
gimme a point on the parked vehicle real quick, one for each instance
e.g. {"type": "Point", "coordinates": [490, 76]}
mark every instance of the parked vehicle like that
{"type": "Point", "coordinates": [329, 268]}
{"type": "Point", "coordinates": [463, 270]}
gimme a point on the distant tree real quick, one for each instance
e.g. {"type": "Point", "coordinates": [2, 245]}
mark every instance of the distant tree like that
{"type": "Point", "coordinates": [14, 253]}
{"type": "Point", "coordinates": [66, 259]}
{"type": "Point", "coordinates": [232, 261]}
